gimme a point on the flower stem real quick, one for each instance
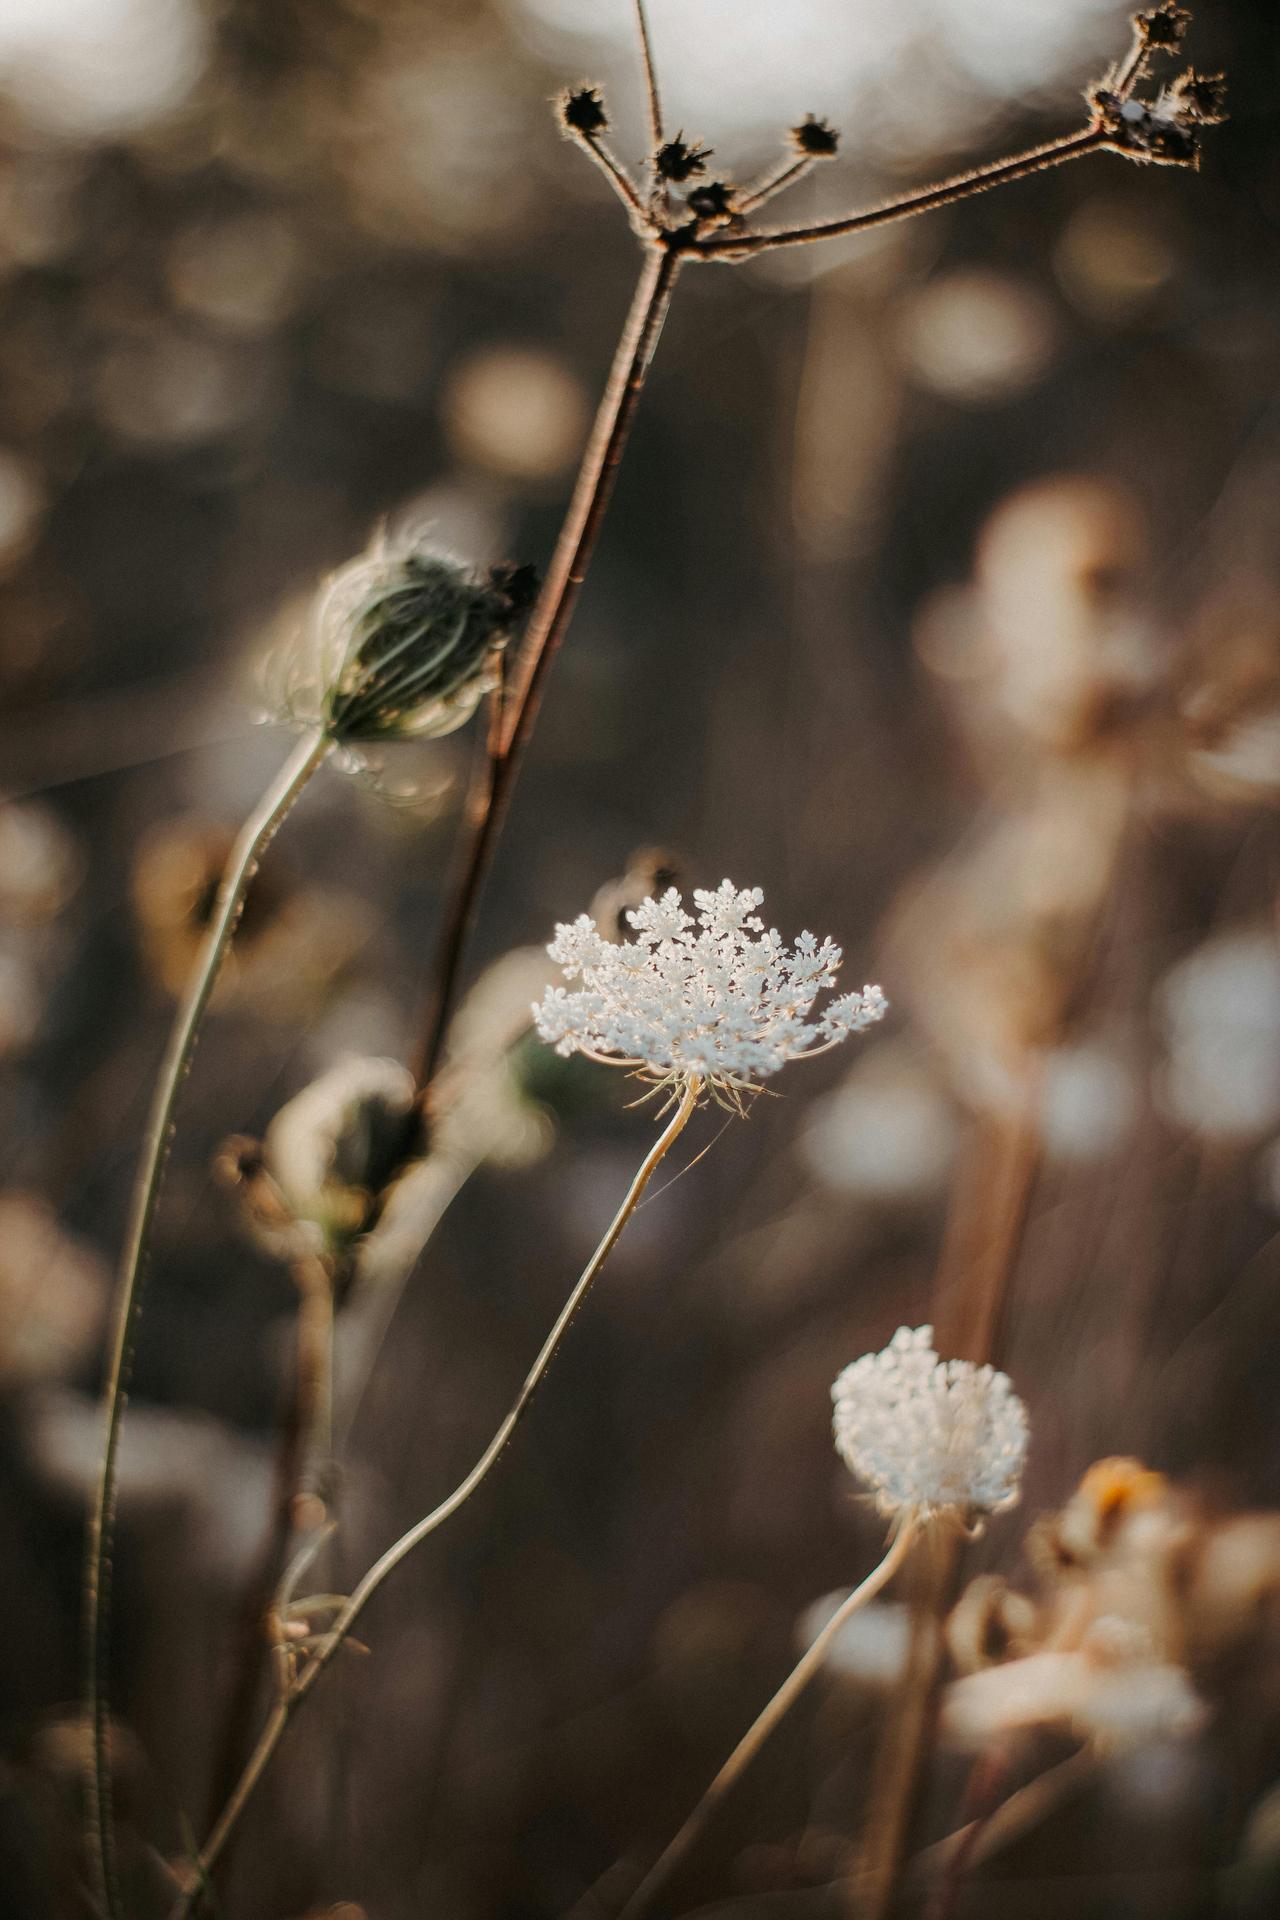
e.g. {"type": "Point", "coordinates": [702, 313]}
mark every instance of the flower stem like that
{"type": "Point", "coordinates": [241, 867]}
{"type": "Point", "coordinates": [288, 1704]}
{"type": "Point", "coordinates": [548, 625]}
{"type": "Point", "coordinates": [752, 1741]}
{"type": "Point", "coordinates": [1093, 139]}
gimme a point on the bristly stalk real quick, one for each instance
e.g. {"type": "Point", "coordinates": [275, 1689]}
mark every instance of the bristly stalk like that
{"type": "Point", "coordinates": [291, 1699]}
{"type": "Point", "coordinates": [241, 867]}
{"type": "Point", "coordinates": [546, 630]}
{"type": "Point", "coordinates": [779, 1706]}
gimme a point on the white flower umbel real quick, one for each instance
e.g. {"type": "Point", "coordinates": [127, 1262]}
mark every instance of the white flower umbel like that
{"type": "Point", "coordinates": [930, 1436]}
{"type": "Point", "coordinates": [717, 999]}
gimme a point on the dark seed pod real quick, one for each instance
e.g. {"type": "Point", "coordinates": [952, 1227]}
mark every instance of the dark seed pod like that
{"type": "Point", "coordinates": [413, 637]}
{"type": "Point", "coordinates": [815, 138]}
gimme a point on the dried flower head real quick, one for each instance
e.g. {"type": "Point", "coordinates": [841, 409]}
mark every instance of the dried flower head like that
{"type": "Point", "coordinates": [713, 202]}
{"type": "Point", "coordinates": [679, 160]}
{"type": "Point", "coordinates": [1164, 26]}
{"type": "Point", "coordinates": [331, 1149]}
{"type": "Point", "coordinates": [719, 1000]}
{"type": "Point", "coordinates": [402, 645]}
{"type": "Point", "coordinates": [1201, 96]}
{"type": "Point", "coordinates": [582, 111]}
{"type": "Point", "coordinates": [815, 138]}
{"type": "Point", "coordinates": [930, 1436]}
{"type": "Point", "coordinates": [1164, 131]}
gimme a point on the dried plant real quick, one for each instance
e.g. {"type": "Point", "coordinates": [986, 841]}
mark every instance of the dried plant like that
{"type": "Point", "coordinates": [410, 642]}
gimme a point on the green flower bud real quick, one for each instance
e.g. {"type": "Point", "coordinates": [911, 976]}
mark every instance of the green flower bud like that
{"type": "Point", "coordinates": [408, 641]}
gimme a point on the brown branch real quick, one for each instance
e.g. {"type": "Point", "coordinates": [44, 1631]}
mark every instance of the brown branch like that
{"type": "Point", "coordinates": [961, 186]}
{"type": "Point", "coordinates": [547, 629]}
{"type": "Point", "coordinates": [650, 76]}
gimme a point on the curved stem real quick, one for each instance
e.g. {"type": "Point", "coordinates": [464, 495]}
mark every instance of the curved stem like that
{"type": "Point", "coordinates": [752, 1741]}
{"type": "Point", "coordinates": [548, 625]}
{"type": "Point", "coordinates": [288, 1705]}
{"type": "Point", "coordinates": [241, 867]}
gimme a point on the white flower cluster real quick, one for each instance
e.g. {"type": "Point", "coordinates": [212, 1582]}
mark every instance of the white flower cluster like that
{"type": "Point", "coordinates": [719, 1000]}
{"type": "Point", "coordinates": [930, 1435]}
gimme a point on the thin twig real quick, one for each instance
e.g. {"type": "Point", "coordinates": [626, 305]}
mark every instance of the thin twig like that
{"type": "Point", "coordinates": [773, 183]}
{"type": "Point", "coordinates": [729, 246]}
{"type": "Point", "coordinates": [617, 177]}
{"type": "Point", "coordinates": [650, 77]}
{"type": "Point", "coordinates": [289, 1703]}
{"type": "Point", "coordinates": [241, 867]}
{"type": "Point", "coordinates": [547, 627]}
{"type": "Point", "coordinates": [752, 1741]}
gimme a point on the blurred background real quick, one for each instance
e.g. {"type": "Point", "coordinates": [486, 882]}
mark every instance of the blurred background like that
{"type": "Point", "coordinates": [940, 596]}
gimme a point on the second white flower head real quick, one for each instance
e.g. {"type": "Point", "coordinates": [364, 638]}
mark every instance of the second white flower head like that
{"type": "Point", "coordinates": [717, 999]}
{"type": "Point", "coordinates": [927, 1435]}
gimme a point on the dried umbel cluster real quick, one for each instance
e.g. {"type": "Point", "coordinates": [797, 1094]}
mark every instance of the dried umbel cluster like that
{"type": "Point", "coordinates": [930, 1437]}
{"type": "Point", "coordinates": [715, 1000]}
{"type": "Point", "coordinates": [403, 644]}
{"type": "Point", "coordinates": [1163, 127]}
{"type": "Point", "coordinates": [711, 218]}
{"type": "Point", "coordinates": [1149, 1613]}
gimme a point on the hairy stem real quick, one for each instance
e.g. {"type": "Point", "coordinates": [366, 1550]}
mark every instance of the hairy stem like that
{"type": "Point", "coordinates": [727, 246]}
{"type": "Point", "coordinates": [547, 628]}
{"type": "Point", "coordinates": [241, 867]}
{"type": "Point", "coordinates": [751, 1742]}
{"type": "Point", "coordinates": [289, 1703]}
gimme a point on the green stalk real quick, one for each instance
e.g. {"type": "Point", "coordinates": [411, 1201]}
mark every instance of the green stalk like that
{"type": "Point", "coordinates": [241, 867]}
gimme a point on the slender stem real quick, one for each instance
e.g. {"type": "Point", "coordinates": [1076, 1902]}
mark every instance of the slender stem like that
{"type": "Point", "coordinates": [241, 867]}
{"type": "Point", "coordinates": [547, 627]}
{"type": "Point", "coordinates": [288, 1705]}
{"type": "Point", "coordinates": [650, 77]}
{"type": "Point", "coordinates": [616, 177]}
{"type": "Point", "coordinates": [752, 1741]}
{"type": "Point", "coordinates": [733, 246]}
{"type": "Point", "coordinates": [315, 1285]}
{"type": "Point", "coordinates": [773, 183]}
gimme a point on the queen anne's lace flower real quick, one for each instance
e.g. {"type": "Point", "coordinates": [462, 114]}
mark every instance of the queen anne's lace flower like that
{"type": "Point", "coordinates": [717, 1000]}
{"type": "Point", "coordinates": [930, 1435]}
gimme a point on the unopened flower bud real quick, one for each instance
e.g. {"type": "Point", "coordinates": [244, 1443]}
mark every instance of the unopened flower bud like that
{"type": "Point", "coordinates": [411, 640]}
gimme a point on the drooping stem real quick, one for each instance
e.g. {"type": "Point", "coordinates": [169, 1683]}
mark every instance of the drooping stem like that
{"type": "Point", "coordinates": [751, 1742]}
{"type": "Point", "coordinates": [287, 1705]}
{"type": "Point", "coordinates": [547, 628]}
{"type": "Point", "coordinates": [241, 867]}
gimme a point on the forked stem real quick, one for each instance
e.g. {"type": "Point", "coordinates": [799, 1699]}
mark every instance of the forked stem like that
{"type": "Point", "coordinates": [241, 867]}
{"type": "Point", "coordinates": [751, 1742]}
{"type": "Point", "coordinates": [288, 1704]}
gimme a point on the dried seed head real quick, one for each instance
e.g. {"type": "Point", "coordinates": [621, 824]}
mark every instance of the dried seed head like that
{"type": "Point", "coordinates": [1162, 132]}
{"type": "Point", "coordinates": [679, 161]}
{"type": "Point", "coordinates": [332, 1149]}
{"type": "Point", "coordinates": [1201, 97]}
{"type": "Point", "coordinates": [582, 111]}
{"type": "Point", "coordinates": [712, 202]}
{"type": "Point", "coordinates": [1164, 26]}
{"type": "Point", "coordinates": [405, 645]}
{"type": "Point", "coordinates": [815, 138]}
